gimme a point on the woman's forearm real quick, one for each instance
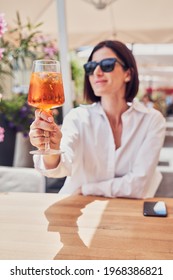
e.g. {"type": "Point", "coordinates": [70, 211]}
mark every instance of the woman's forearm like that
{"type": "Point", "coordinates": [51, 161]}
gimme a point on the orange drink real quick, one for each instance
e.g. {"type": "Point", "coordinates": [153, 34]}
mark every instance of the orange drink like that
{"type": "Point", "coordinates": [46, 90]}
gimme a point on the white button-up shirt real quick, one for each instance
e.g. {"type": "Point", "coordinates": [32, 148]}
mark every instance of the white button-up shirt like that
{"type": "Point", "coordinates": [91, 161]}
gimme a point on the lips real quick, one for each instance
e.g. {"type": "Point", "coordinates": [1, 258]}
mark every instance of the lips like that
{"type": "Point", "coordinates": [100, 81]}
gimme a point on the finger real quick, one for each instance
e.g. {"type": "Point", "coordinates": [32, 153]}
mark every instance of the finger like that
{"type": "Point", "coordinates": [55, 139]}
{"type": "Point", "coordinates": [36, 133]}
{"type": "Point", "coordinates": [55, 135]}
{"type": "Point", "coordinates": [41, 114]}
{"type": "Point", "coordinates": [42, 124]}
{"type": "Point", "coordinates": [38, 139]}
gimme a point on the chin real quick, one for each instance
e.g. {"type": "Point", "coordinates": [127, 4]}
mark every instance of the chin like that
{"type": "Point", "coordinates": [100, 94]}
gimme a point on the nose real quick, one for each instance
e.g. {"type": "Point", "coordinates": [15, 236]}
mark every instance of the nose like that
{"type": "Point", "coordinates": [98, 70]}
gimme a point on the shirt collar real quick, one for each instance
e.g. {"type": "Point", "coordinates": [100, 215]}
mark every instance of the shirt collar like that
{"type": "Point", "coordinates": [135, 105]}
{"type": "Point", "coordinates": [96, 106]}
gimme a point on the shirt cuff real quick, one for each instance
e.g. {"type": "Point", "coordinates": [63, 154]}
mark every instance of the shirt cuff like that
{"type": "Point", "coordinates": [62, 170]}
{"type": "Point", "coordinates": [100, 189]}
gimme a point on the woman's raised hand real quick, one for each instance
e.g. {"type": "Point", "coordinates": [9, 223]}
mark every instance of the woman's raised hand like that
{"type": "Point", "coordinates": [43, 130]}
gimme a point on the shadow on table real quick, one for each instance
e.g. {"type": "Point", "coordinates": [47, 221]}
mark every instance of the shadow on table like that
{"type": "Point", "coordinates": [65, 217]}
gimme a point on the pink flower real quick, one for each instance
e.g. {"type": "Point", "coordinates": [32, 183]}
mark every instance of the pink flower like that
{"type": "Point", "coordinates": [2, 130]}
{"type": "Point", "coordinates": [3, 25]}
{"type": "Point", "coordinates": [41, 39]}
{"type": "Point", "coordinates": [50, 51]}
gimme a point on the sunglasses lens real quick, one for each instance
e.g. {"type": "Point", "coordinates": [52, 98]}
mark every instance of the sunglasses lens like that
{"type": "Point", "coordinates": [107, 65]}
{"type": "Point", "coordinates": [90, 67]}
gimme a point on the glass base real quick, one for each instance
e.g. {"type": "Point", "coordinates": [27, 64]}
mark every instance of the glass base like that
{"type": "Point", "coordinates": [46, 152]}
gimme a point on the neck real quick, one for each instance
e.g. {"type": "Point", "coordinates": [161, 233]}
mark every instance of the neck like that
{"type": "Point", "coordinates": [114, 108]}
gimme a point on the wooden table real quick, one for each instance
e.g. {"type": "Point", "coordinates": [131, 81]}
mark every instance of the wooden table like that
{"type": "Point", "coordinates": [49, 226]}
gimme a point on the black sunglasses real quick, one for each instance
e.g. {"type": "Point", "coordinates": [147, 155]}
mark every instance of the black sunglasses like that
{"type": "Point", "coordinates": [106, 65]}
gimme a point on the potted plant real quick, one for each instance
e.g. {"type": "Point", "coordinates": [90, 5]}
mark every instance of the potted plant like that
{"type": "Point", "coordinates": [19, 46]}
{"type": "Point", "coordinates": [16, 117]}
{"type": "Point", "coordinates": [2, 130]}
{"type": "Point", "coordinates": [16, 113]}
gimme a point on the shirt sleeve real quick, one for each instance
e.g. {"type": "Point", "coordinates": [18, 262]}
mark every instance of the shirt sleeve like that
{"type": "Point", "coordinates": [136, 183]}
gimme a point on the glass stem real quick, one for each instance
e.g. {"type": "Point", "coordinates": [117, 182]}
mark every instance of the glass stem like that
{"type": "Point", "coordinates": [47, 144]}
{"type": "Point", "coordinates": [46, 134]}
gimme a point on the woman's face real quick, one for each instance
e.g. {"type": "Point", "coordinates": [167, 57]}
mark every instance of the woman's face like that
{"type": "Point", "coordinates": [108, 84]}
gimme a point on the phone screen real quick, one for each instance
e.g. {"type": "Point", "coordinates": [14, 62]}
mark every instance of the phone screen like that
{"type": "Point", "coordinates": [155, 208]}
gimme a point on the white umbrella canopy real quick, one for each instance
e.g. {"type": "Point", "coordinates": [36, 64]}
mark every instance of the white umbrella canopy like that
{"type": "Point", "coordinates": [131, 21]}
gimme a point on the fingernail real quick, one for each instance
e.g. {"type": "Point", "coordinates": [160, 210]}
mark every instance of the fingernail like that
{"type": "Point", "coordinates": [50, 119]}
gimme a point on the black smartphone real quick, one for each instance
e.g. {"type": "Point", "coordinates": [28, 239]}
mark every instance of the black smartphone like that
{"type": "Point", "coordinates": [155, 208]}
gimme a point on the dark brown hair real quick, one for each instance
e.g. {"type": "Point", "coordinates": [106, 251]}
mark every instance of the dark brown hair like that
{"type": "Point", "coordinates": [127, 58]}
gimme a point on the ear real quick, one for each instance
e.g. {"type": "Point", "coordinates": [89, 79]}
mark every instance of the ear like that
{"type": "Point", "coordinates": [127, 79]}
{"type": "Point", "coordinates": [127, 76]}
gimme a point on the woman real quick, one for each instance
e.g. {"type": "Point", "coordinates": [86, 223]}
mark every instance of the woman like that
{"type": "Point", "coordinates": [112, 145]}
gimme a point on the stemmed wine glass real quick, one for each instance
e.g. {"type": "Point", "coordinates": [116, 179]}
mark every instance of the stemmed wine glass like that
{"type": "Point", "coordinates": [46, 92]}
